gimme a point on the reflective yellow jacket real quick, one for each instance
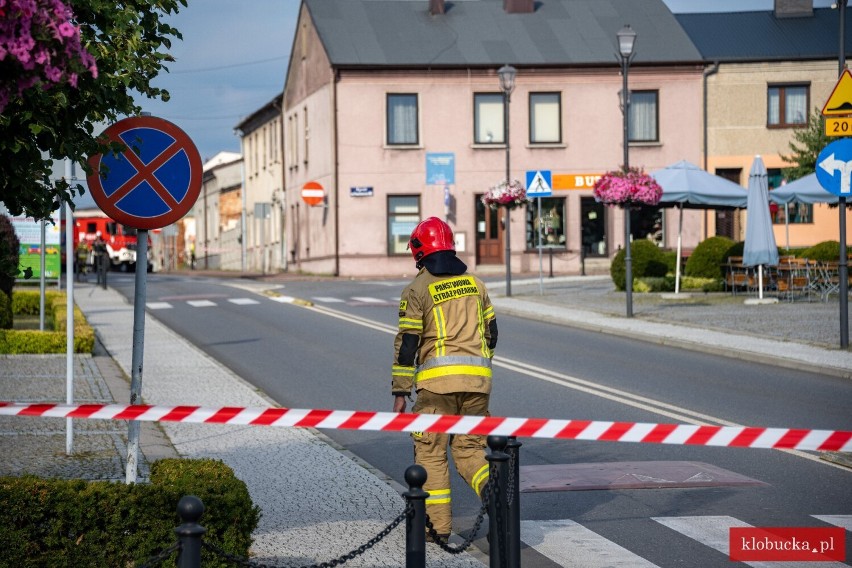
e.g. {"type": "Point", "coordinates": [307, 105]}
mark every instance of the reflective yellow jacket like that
{"type": "Point", "coordinates": [446, 338]}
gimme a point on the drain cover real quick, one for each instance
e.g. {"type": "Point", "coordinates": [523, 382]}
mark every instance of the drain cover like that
{"type": "Point", "coordinates": [628, 475]}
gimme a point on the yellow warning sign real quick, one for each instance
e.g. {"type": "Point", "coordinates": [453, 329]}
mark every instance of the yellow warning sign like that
{"type": "Point", "coordinates": [840, 101]}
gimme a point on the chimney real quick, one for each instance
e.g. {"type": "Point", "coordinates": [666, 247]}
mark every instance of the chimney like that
{"type": "Point", "coordinates": [794, 8]}
{"type": "Point", "coordinates": [519, 6]}
{"type": "Point", "coordinates": [436, 7]}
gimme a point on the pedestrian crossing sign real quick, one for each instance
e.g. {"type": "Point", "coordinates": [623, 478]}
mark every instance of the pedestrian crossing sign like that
{"type": "Point", "coordinates": [539, 183]}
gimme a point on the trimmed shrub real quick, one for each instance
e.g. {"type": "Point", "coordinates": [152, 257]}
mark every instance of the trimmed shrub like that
{"type": "Point", "coordinates": [826, 251]}
{"type": "Point", "coordinates": [19, 341]}
{"type": "Point", "coordinates": [670, 258]}
{"type": "Point", "coordinates": [6, 319]}
{"type": "Point", "coordinates": [9, 255]}
{"type": "Point", "coordinates": [647, 260]}
{"type": "Point", "coordinates": [708, 257]}
{"type": "Point", "coordinates": [654, 284]}
{"type": "Point", "coordinates": [98, 524]}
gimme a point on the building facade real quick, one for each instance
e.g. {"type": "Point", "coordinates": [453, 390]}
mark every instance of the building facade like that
{"type": "Point", "coordinates": [768, 73]}
{"type": "Point", "coordinates": [395, 111]}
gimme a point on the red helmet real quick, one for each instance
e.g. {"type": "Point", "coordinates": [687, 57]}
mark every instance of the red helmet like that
{"type": "Point", "coordinates": [431, 235]}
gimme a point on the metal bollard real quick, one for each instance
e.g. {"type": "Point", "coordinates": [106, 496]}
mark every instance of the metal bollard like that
{"type": "Point", "coordinates": [497, 513]}
{"type": "Point", "coordinates": [514, 502]}
{"type": "Point", "coordinates": [190, 508]}
{"type": "Point", "coordinates": [415, 525]}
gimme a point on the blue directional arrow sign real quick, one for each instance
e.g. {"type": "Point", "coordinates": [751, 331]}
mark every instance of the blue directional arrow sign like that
{"type": "Point", "coordinates": [834, 167]}
{"type": "Point", "coordinates": [539, 183]}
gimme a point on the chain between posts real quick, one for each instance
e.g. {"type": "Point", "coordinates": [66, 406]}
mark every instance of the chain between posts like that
{"type": "Point", "coordinates": [242, 561]}
{"type": "Point", "coordinates": [490, 490]}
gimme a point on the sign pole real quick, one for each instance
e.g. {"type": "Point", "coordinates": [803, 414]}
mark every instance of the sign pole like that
{"type": "Point", "coordinates": [843, 264]}
{"type": "Point", "coordinates": [165, 186]}
{"type": "Point", "coordinates": [138, 352]}
{"type": "Point", "coordinates": [540, 277]}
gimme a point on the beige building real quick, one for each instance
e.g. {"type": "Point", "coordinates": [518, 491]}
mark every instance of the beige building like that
{"type": "Point", "coordinates": [395, 111]}
{"type": "Point", "coordinates": [217, 213]}
{"type": "Point", "coordinates": [762, 86]}
{"type": "Point", "coordinates": [263, 212]}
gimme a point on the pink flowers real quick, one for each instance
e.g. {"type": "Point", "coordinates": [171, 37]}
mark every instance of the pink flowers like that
{"type": "Point", "coordinates": [509, 195]}
{"type": "Point", "coordinates": [628, 187]}
{"type": "Point", "coordinates": [39, 45]}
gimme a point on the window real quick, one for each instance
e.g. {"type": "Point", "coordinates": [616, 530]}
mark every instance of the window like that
{"type": "Point", "coordinates": [402, 119]}
{"type": "Point", "coordinates": [793, 212]}
{"type": "Point", "coordinates": [403, 216]}
{"type": "Point", "coordinates": [551, 223]}
{"type": "Point", "coordinates": [787, 105]}
{"type": "Point", "coordinates": [488, 118]}
{"type": "Point", "coordinates": [545, 118]}
{"type": "Point", "coordinates": [643, 115]}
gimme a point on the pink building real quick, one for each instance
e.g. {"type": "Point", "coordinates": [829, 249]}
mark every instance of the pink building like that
{"type": "Point", "coordinates": [395, 109]}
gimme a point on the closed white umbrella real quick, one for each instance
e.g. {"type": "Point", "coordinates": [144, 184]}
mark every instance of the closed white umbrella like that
{"type": "Point", "coordinates": [760, 249]}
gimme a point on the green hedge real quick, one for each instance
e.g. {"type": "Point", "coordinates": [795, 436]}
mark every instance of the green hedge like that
{"type": "Point", "coordinates": [6, 314]}
{"type": "Point", "coordinates": [646, 259]}
{"type": "Point", "coordinates": [826, 251]}
{"type": "Point", "coordinates": [54, 522]}
{"type": "Point", "coordinates": [18, 341]}
{"type": "Point", "coordinates": [708, 258]}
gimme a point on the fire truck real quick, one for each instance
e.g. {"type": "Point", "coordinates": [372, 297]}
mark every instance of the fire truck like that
{"type": "Point", "coordinates": [120, 239]}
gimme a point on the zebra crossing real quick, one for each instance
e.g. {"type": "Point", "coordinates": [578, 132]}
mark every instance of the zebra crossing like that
{"type": "Point", "coordinates": [571, 545]}
{"type": "Point", "coordinates": [244, 301]}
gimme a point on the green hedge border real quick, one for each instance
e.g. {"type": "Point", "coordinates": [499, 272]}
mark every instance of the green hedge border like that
{"type": "Point", "coordinates": [26, 341]}
{"type": "Point", "coordinates": [103, 524]}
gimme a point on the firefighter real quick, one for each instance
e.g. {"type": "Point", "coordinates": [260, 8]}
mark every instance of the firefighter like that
{"type": "Point", "coordinates": [443, 349]}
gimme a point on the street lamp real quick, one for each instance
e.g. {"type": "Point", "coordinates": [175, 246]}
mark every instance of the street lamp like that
{"type": "Point", "coordinates": [626, 41]}
{"type": "Point", "coordinates": [507, 85]}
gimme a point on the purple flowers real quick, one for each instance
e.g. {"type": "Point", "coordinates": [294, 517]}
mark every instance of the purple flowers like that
{"type": "Point", "coordinates": [509, 195]}
{"type": "Point", "coordinates": [39, 45]}
{"type": "Point", "coordinates": [628, 187]}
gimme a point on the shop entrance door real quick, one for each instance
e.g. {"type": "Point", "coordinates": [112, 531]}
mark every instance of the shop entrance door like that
{"type": "Point", "coordinates": [593, 220]}
{"type": "Point", "coordinates": [489, 233]}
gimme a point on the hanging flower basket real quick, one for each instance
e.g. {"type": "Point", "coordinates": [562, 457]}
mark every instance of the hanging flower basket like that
{"type": "Point", "coordinates": [508, 195]}
{"type": "Point", "coordinates": [630, 187]}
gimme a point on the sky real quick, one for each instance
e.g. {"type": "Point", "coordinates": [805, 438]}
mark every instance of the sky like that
{"type": "Point", "coordinates": [234, 56]}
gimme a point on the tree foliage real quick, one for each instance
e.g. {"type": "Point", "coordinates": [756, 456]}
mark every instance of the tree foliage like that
{"type": "Point", "coordinates": [49, 121]}
{"type": "Point", "coordinates": [806, 145]}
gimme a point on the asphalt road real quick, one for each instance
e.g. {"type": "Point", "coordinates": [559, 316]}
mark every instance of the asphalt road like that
{"type": "Point", "coordinates": [337, 355]}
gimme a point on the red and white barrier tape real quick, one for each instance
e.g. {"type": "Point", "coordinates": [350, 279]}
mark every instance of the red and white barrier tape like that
{"type": "Point", "coordinates": [679, 434]}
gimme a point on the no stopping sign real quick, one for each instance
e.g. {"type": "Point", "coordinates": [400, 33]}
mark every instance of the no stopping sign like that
{"type": "Point", "coordinates": [155, 181]}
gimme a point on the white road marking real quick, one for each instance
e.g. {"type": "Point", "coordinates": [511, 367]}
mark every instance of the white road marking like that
{"type": "Point", "coordinates": [243, 301]}
{"type": "Point", "coordinates": [326, 299]}
{"type": "Point", "coordinates": [714, 531]}
{"type": "Point", "coordinates": [158, 305]}
{"type": "Point", "coordinates": [201, 303]}
{"type": "Point", "coordinates": [843, 521]}
{"type": "Point", "coordinates": [368, 300]}
{"type": "Point", "coordinates": [571, 545]}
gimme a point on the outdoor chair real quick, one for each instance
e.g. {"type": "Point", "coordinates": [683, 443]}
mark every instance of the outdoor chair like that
{"type": "Point", "coordinates": [736, 275]}
{"type": "Point", "coordinates": [828, 279]}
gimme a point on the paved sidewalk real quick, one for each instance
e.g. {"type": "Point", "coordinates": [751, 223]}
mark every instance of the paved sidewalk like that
{"type": "Point", "coordinates": [318, 503]}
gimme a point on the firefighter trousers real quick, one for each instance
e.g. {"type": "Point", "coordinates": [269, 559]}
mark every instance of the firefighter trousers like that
{"type": "Point", "coordinates": [430, 451]}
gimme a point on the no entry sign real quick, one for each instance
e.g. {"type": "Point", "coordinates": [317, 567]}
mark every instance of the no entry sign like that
{"type": "Point", "coordinates": [313, 193]}
{"type": "Point", "coordinates": [155, 181]}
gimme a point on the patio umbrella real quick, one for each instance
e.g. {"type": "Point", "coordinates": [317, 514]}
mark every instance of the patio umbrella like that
{"type": "Point", "coordinates": [760, 248]}
{"type": "Point", "coordinates": [685, 185]}
{"type": "Point", "coordinates": [806, 189]}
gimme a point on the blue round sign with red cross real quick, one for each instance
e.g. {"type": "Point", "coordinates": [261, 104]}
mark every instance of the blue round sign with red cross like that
{"type": "Point", "coordinates": [154, 181]}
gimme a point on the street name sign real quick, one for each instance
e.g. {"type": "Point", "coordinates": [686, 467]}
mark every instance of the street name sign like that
{"type": "Point", "coordinates": [154, 182]}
